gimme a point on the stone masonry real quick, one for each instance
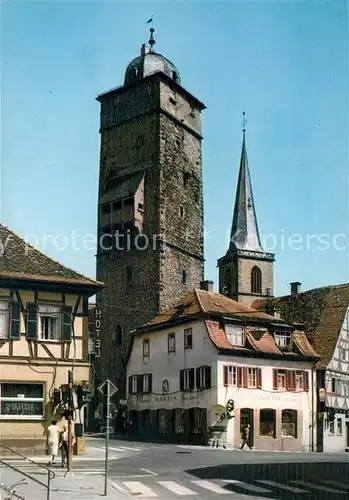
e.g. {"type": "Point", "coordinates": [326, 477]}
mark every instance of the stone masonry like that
{"type": "Point", "coordinates": [150, 129]}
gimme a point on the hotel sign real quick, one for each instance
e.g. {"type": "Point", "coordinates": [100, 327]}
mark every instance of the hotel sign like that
{"type": "Point", "coordinates": [97, 339]}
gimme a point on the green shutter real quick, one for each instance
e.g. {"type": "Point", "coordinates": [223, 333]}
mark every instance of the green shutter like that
{"type": "Point", "coordinates": [66, 323]}
{"type": "Point", "coordinates": [15, 332]}
{"type": "Point", "coordinates": [32, 321]}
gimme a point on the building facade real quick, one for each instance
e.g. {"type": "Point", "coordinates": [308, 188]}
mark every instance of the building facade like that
{"type": "Point", "coordinates": [246, 270]}
{"type": "Point", "coordinates": [323, 313]}
{"type": "Point", "coordinates": [43, 336]}
{"type": "Point", "coordinates": [150, 207]}
{"type": "Point", "coordinates": [188, 365]}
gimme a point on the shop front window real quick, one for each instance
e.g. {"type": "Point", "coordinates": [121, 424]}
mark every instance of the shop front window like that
{"type": "Point", "coordinates": [22, 401]}
{"type": "Point", "coordinates": [179, 421]}
{"type": "Point", "coordinates": [289, 423]}
{"type": "Point", "coordinates": [163, 422]}
{"type": "Point", "coordinates": [267, 423]}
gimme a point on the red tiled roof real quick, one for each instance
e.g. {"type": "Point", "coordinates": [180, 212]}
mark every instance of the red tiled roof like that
{"type": "Point", "coordinates": [200, 301]}
{"type": "Point", "coordinates": [265, 344]}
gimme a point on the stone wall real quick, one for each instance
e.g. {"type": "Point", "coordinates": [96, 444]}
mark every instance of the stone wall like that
{"type": "Point", "coordinates": [142, 129]}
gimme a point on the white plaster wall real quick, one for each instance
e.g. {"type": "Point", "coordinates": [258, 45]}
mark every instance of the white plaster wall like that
{"type": "Point", "coordinates": [267, 397]}
{"type": "Point", "coordinates": [335, 442]}
{"type": "Point", "coordinates": [165, 365]}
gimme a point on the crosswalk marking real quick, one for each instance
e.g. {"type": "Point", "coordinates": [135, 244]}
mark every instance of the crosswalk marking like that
{"type": "Point", "coordinates": [246, 486]}
{"type": "Point", "coordinates": [281, 486]}
{"type": "Point", "coordinates": [212, 487]}
{"type": "Point", "coordinates": [130, 449]}
{"type": "Point", "coordinates": [318, 487]}
{"type": "Point", "coordinates": [176, 488]}
{"type": "Point", "coordinates": [139, 489]}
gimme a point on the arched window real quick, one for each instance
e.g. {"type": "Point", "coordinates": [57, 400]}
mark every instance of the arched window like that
{"type": "Point", "coordinates": [118, 335]}
{"type": "Point", "coordinates": [256, 280]}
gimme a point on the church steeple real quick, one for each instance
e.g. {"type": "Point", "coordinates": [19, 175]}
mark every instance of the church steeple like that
{"type": "Point", "coordinates": [245, 271]}
{"type": "Point", "coordinates": [244, 231]}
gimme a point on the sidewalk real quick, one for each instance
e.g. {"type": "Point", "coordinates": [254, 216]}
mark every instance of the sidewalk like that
{"type": "Point", "coordinates": [71, 487]}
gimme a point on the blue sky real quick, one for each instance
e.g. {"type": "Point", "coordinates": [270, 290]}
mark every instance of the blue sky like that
{"type": "Point", "coordinates": [285, 63]}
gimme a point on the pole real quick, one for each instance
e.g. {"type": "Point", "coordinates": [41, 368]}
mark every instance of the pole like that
{"type": "Point", "coordinates": [70, 414]}
{"type": "Point", "coordinates": [106, 437]}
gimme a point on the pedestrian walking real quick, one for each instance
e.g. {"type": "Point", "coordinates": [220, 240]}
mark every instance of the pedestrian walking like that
{"type": "Point", "coordinates": [52, 441]}
{"type": "Point", "coordinates": [246, 437]}
{"type": "Point", "coordinates": [64, 444]}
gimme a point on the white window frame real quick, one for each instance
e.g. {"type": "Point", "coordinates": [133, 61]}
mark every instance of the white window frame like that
{"type": "Point", "coordinates": [146, 351]}
{"type": "Point", "coordinates": [171, 342]}
{"type": "Point", "coordinates": [281, 379]}
{"type": "Point", "coordinates": [188, 333]}
{"type": "Point", "coordinates": [252, 378]}
{"type": "Point", "coordinates": [283, 339]}
{"type": "Point", "coordinates": [202, 377]}
{"type": "Point", "coordinates": [22, 400]}
{"type": "Point", "coordinates": [338, 387]}
{"type": "Point", "coordinates": [50, 311]}
{"type": "Point", "coordinates": [4, 312]}
{"type": "Point", "coordinates": [235, 334]}
{"type": "Point", "coordinates": [232, 376]}
{"type": "Point", "coordinates": [134, 384]}
{"type": "Point", "coordinates": [339, 427]}
{"type": "Point", "coordinates": [186, 380]}
{"type": "Point", "coordinates": [299, 380]}
{"type": "Point", "coordinates": [145, 383]}
{"type": "Point", "coordinates": [331, 428]}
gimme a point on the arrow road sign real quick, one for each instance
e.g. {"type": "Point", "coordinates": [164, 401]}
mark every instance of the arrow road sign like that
{"type": "Point", "coordinates": [112, 388]}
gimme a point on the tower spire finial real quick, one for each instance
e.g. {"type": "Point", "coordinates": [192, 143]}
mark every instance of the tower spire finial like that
{"type": "Point", "coordinates": [151, 40]}
{"type": "Point", "coordinates": [244, 122]}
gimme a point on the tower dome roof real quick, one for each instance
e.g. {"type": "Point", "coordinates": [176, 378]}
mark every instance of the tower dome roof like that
{"type": "Point", "coordinates": [150, 62]}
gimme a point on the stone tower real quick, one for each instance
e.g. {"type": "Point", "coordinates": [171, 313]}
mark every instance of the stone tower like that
{"type": "Point", "coordinates": [246, 271]}
{"type": "Point", "coordinates": [150, 203]}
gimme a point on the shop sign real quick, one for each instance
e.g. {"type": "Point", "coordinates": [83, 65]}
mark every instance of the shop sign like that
{"type": "Point", "coordinates": [97, 340]}
{"type": "Point", "coordinates": [165, 398]}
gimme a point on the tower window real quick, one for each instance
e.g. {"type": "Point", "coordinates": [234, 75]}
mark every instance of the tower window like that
{"type": "Point", "coordinates": [186, 177]}
{"type": "Point", "coordinates": [181, 211]}
{"type": "Point", "coordinates": [118, 335]}
{"type": "Point", "coordinates": [256, 280]}
{"type": "Point", "coordinates": [175, 76]}
{"type": "Point", "coordinates": [106, 209]}
{"type": "Point", "coordinates": [128, 275]}
{"type": "Point", "coordinates": [116, 206]}
{"type": "Point", "coordinates": [184, 276]}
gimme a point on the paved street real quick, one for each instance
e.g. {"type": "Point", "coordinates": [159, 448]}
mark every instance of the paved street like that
{"type": "Point", "coordinates": [171, 472]}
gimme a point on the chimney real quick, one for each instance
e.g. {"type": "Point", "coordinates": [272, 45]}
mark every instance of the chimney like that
{"type": "Point", "coordinates": [207, 285]}
{"type": "Point", "coordinates": [295, 287]}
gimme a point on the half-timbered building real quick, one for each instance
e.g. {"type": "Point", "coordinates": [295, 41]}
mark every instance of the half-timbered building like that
{"type": "Point", "coordinates": [323, 313]}
{"type": "Point", "coordinates": [43, 336]}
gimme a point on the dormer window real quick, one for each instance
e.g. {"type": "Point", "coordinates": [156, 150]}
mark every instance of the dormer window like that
{"type": "Point", "coordinates": [235, 335]}
{"type": "Point", "coordinates": [283, 339]}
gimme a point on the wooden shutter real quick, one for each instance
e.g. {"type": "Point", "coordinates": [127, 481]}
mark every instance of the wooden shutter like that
{"type": "Point", "coordinates": [139, 384]}
{"type": "Point", "coordinates": [191, 379]}
{"type": "Point", "coordinates": [259, 378]}
{"type": "Point", "coordinates": [225, 376]}
{"type": "Point", "coordinates": [32, 321]}
{"type": "Point", "coordinates": [275, 379]}
{"type": "Point", "coordinates": [130, 384]}
{"type": "Point", "coordinates": [245, 376]}
{"type": "Point", "coordinates": [198, 386]}
{"type": "Point", "coordinates": [306, 381]}
{"type": "Point", "coordinates": [66, 323]}
{"type": "Point", "coordinates": [239, 371]}
{"type": "Point", "coordinates": [150, 383]}
{"type": "Point", "coordinates": [181, 380]}
{"type": "Point", "coordinates": [293, 380]}
{"type": "Point", "coordinates": [208, 377]}
{"type": "Point", "coordinates": [15, 311]}
{"type": "Point", "coordinates": [288, 381]}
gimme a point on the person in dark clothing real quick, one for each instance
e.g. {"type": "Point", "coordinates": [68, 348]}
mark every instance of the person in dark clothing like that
{"type": "Point", "coordinates": [246, 437]}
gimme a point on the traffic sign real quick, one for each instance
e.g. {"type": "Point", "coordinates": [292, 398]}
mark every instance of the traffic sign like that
{"type": "Point", "coordinates": [112, 388]}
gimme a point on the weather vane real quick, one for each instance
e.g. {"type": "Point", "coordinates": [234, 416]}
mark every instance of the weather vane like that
{"type": "Point", "coordinates": [244, 122]}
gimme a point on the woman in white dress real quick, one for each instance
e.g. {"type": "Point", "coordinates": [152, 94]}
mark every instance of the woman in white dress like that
{"type": "Point", "coordinates": [52, 441]}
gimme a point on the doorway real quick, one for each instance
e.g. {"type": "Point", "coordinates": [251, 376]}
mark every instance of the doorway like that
{"type": "Point", "coordinates": [246, 417]}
